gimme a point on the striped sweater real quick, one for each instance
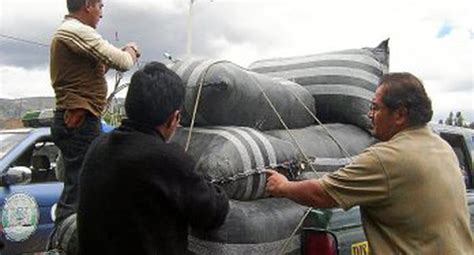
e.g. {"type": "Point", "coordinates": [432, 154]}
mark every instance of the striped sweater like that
{"type": "Point", "coordinates": [76, 51]}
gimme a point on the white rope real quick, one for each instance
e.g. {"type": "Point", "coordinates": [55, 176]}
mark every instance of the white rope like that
{"type": "Point", "coordinates": [300, 149]}
{"type": "Point", "coordinates": [323, 126]}
{"type": "Point", "coordinates": [285, 245]}
{"type": "Point", "coordinates": [118, 78]}
{"type": "Point", "coordinates": [117, 87]}
{"type": "Point", "coordinates": [196, 103]}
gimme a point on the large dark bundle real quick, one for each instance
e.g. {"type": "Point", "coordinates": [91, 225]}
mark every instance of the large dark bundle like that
{"type": "Point", "coordinates": [232, 96]}
{"type": "Point", "coordinates": [320, 145]}
{"type": "Point", "coordinates": [342, 82]}
{"type": "Point", "coordinates": [253, 227]}
{"type": "Point", "coordinates": [235, 157]}
{"type": "Point", "coordinates": [317, 141]}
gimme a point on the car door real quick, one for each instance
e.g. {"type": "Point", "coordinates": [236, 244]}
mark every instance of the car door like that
{"type": "Point", "coordinates": [26, 207]}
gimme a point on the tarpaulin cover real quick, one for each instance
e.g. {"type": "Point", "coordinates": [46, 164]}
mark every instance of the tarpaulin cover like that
{"type": "Point", "coordinates": [342, 82]}
{"type": "Point", "coordinates": [317, 142]}
{"type": "Point", "coordinates": [253, 227]}
{"type": "Point", "coordinates": [232, 96]}
{"type": "Point", "coordinates": [236, 156]}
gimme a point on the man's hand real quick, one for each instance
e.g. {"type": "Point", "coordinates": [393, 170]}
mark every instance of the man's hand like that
{"type": "Point", "coordinates": [276, 183]}
{"type": "Point", "coordinates": [74, 117]}
{"type": "Point", "coordinates": [307, 192]}
{"type": "Point", "coordinates": [101, 69]}
{"type": "Point", "coordinates": [132, 49]}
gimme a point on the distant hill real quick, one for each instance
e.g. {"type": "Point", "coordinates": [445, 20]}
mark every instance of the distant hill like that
{"type": "Point", "coordinates": [15, 108]}
{"type": "Point", "coordinates": [11, 110]}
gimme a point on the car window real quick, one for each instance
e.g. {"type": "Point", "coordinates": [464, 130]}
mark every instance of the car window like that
{"type": "Point", "coordinates": [8, 141]}
{"type": "Point", "coordinates": [459, 147]}
{"type": "Point", "coordinates": [472, 144]}
{"type": "Point", "coordinates": [46, 148]}
{"type": "Point", "coordinates": [40, 157]}
{"type": "Point", "coordinates": [44, 155]}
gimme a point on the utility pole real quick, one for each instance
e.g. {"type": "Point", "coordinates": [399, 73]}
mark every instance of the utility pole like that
{"type": "Point", "coordinates": [190, 28]}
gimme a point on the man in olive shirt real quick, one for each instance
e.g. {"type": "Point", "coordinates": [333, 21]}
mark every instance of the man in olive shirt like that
{"type": "Point", "coordinates": [409, 186]}
{"type": "Point", "coordinates": [78, 62]}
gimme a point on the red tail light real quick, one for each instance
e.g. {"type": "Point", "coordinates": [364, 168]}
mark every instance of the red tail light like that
{"type": "Point", "coordinates": [319, 242]}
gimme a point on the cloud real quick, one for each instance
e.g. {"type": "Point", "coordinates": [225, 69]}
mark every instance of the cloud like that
{"type": "Point", "coordinates": [15, 53]}
{"type": "Point", "coordinates": [444, 30]}
{"type": "Point", "coordinates": [443, 103]}
{"type": "Point", "coordinates": [432, 40]}
{"type": "Point", "coordinates": [16, 82]}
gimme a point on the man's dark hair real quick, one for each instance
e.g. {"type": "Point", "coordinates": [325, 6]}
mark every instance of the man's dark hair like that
{"type": "Point", "coordinates": [155, 92]}
{"type": "Point", "coordinates": [405, 90]}
{"type": "Point", "coordinates": [75, 5]}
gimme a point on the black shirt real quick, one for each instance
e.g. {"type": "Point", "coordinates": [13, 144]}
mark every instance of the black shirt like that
{"type": "Point", "coordinates": [139, 194]}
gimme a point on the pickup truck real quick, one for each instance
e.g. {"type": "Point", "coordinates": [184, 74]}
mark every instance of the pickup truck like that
{"type": "Point", "coordinates": [29, 190]}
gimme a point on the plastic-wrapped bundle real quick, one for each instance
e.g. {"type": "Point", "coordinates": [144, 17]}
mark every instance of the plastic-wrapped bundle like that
{"type": "Point", "coordinates": [316, 143]}
{"type": "Point", "coordinates": [232, 96]}
{"type": "Point", "coordinates": [342, 82]}
{"type": "Point", "coordinates": [235, 157]}
{"type": "Point", "coordinates": [253, 227]}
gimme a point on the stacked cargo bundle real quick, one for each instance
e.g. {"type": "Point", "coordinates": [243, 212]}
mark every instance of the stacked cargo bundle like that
{"type": "Point", "coordinates": [234, 157]}
{"type": "Point", "coordinates": [261, 226]}
{"type": "Point", "coordinates": [342, 82]}
{"type": "Point", "coordinates": [237, 134]}
{"type": "Point", "coordinates": [233, 96]}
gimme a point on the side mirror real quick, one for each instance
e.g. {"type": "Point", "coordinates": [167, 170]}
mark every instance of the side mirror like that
{"type": "Point", "coordinates": [16, 175]}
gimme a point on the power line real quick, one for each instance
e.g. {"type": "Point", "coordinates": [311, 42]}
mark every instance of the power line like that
{"type": "Point", "coordinates": [35, 42]}
{"type": "Point", "coordinates": [23, 40]}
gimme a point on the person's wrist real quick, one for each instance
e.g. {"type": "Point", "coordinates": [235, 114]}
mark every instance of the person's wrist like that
{"type": "Point", "coordinates": [285, 188]}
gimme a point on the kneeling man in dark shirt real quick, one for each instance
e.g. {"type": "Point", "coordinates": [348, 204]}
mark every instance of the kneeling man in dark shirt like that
{"type": "Point", "coordinates": [139, 193]}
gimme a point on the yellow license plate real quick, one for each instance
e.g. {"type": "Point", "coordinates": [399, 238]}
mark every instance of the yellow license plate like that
{"type": "Point", "coordinates": [361, 248]}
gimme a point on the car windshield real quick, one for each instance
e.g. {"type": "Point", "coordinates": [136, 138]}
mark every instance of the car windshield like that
{"type": "Point", "coordinates": [8, 141]}
{"type": "Point", "coordinates": [472, 145]}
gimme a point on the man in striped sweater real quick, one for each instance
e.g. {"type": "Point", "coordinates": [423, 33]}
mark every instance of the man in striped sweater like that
{"type": "Point", "coordinates": [79, 59]}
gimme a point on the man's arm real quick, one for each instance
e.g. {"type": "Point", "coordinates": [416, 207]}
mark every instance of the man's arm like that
{"type": "Point", "coordinates": [307, 192]}
{"type": "Point", "coordinates": [130, 48]}
{"type": "Point", "coordinates": [84, 39]}
{"type": "Point", "coordinates": [119, 59]}
{"type": "Point", "coordinates": [204, 205]}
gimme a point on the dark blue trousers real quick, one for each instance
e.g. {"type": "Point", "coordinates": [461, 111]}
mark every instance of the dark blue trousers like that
{"type": "Point", "coordinates": [73, 143]}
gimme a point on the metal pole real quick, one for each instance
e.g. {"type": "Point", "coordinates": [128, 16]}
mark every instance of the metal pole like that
{"type": "Point", "coordinates": [189, 28]}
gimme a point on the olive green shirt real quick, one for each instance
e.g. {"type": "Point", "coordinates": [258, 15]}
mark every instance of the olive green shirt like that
{"type": "Point", "coordinates": [76, 51]}
{"type": "Point", "coordinates": [411, 195]}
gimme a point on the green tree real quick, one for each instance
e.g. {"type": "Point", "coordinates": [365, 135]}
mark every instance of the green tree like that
{"type": "Point", "coordinates": [459, 120]}
{"type": "Point", "coordinates": [450, 119]}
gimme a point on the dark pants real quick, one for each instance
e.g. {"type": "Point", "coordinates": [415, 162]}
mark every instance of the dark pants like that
{"type": "Point", "coordinates": [73, 143]}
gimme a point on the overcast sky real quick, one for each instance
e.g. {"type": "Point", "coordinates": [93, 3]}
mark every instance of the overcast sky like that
{"type": "Point", "coordinates": [432, 39]}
